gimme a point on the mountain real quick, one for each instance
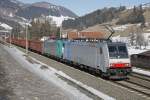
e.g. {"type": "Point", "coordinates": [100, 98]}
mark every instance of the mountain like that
{"type": "Point", "coordinates": [9, 7]}
{"type": "Point", "coordinates": [15, 13]}
{"type": "Point", "coordinates": [43, 8]}
{"type": "Point", "coordinates": [113, 15]}
{"type": "Point", "coordinates": [96, 17]}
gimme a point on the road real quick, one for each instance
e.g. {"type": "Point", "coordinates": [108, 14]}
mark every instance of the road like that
{"type": "Point", "coordinates": [17, 83]}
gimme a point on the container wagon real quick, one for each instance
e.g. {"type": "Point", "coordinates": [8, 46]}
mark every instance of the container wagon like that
{"type": "Point", "coordinates": [53, 48]}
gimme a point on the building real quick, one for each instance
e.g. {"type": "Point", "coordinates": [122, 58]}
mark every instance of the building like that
{"type": "Point", "coordinates": [147, 37]}
{"type": "Point", "coordinates": [84, 35]}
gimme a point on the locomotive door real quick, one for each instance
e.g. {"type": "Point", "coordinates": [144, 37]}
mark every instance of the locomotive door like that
{"type": "Point", "coordinates": [100, 58]}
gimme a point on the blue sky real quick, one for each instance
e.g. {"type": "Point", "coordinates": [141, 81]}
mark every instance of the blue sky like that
{"type": "Point", "coordinates": [82, 7]}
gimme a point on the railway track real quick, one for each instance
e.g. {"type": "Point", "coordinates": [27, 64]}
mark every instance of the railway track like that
{"type": "Point", "coordinates": [141, 76]}
{"type": "Point", "coordinates": [137, 83]}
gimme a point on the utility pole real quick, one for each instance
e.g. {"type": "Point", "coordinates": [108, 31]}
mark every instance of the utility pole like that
{"type": "Point", "coordinates": [26, 39]}
{"type": "Point", "coordinates": [5, 36]}
{"type": "Point", "coordinates": [10, 39]}
{"type": "Point", "coordinates": [60, 31]}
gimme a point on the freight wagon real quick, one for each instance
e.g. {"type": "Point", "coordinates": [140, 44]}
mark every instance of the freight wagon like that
{"type": "Point", "coordinates": [35, 46]}
{"type": "Point", "coordinates": [107, 58]}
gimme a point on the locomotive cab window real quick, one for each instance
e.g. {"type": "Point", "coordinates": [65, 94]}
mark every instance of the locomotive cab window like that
{"type": "Point", "coordinates": [117, 51]}
{"type": "Point", "coordinates": [122, 49]}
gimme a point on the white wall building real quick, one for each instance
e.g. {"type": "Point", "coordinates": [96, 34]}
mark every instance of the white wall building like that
{"type": "Point", "coordinates": [147, 37]}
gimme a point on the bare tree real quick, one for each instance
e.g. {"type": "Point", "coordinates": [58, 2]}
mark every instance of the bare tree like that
{"type": "Point", "coordinates": [132, 35]}
{"type": "Point", "coordinates": [132, 38]}
{"type": "Point", "coordinates": [139, 37]}
{"type": "Point", "coordinates": [145, 43]}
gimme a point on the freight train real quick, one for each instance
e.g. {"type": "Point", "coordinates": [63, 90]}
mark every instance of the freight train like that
{"type": "Point", "coordinates": [108, 59]}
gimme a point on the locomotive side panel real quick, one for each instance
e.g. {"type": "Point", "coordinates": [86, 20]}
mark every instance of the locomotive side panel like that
{"type": "Point", "coordinates": [66, 54]}
{"type": "Point", "coordinates": [85, 54]}
{"type": "Point", "coordinates": [59, 48]}
{"type": "Point", "coordinates": [102, 57]}
{"type": "Point", "coordinates": [50, 47]}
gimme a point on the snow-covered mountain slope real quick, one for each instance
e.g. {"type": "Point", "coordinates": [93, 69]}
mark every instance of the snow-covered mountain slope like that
{"type": "Point", "coordinates": [121, 27]}
{"type": "Point", "coordinates": [14, 11]}
{"type": "Point", "coordinates": [59, 20]}
{"type": "Point", "coordinates": [44, 8]}
{"type": "Point", "coordinates": [5, 26]}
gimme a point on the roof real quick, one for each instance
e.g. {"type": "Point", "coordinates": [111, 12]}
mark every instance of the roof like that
{"type": "Point", "coordinates": [147, 53]}
{"type": "Point", "coordinates": [94, 35]}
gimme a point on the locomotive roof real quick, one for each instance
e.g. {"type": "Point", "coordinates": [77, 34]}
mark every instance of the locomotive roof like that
{"type": "Point", "coordinates": [115, 43]}
{"type": "Point", "coordinates": [94, 43]}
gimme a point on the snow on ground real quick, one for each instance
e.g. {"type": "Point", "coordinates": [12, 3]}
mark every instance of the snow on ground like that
{"type": "Point", "coordinates": [141, 71]}
{"type": "Point", "coordinates": [148, 30]}
{"type": "Point", "coordinates": [130, 7]}
{"type": "Point", "coordinates": [121, 28]}
{"type": "Point", "coordinates": [5, 26]}
{"type": "Point", "coordinates": [131, 49]}
{"type": "Point", "coordinates": [52, 75]}
{"type": "Point", "coordinates": [136, 51]}
{"type": "Point", "coordinates": [59, 20]}
{"type": "Point", "coordinates": [44, 38]}
{"type": "Point", "coordinates": [118, 38]}
{"type": "Point", "coordinates": [11, 15]}
{"type": "Point", "coordinates": [23, 24]}
{"type": "Point", "coordinates": [146, 35]}
{"type": "Point", "coordinates": [22, 21]}
{"type": "Point", "coordinates": [148, 47]}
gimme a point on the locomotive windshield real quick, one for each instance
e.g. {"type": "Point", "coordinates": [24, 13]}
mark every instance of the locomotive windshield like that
{"type": "Point", "coordinates": [117, 51]}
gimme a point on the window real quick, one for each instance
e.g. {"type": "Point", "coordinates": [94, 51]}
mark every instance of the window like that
{"type": "Point", "coordinates": [122, 49]}
{"type": "Point", "coordinates": [118, 51]}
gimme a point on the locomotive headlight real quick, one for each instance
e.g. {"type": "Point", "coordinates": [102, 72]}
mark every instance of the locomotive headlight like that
{"type": "Point", "coordinates": [127, 64]}
{"type": "Point", "coordinates": [111, 64]}
{"type": "Point", "coordinates": [119, 65]}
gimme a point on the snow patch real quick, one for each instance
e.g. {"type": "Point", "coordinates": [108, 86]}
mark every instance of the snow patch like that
{"type": "Point", "coordinates": [23, 18]}
{"type": "Point", "coordinates": [24, 24]}
{"type": "Point", "coordinates": [44, 38]}
{"type": "Point", "coordinates": [121, 28]}
{"type": "Point", "coordinates": [5, 26]}
{"type": "Point", "coordinates": [130, 7]}
{"type": "Point", "coordinates": [22, 21]}
{"type": "Point", "coordinates": [59, 20]}
{"type": "Point", "coordinates": [14, 1]}
{"type": "Point", "coordinates": [54, 7]}
{"type": "Point", "coordinates": [11, 15]}
{"type": "Point", "coordinates": [118, 38]}
{"type": "Point", "coordinates": [141, 71]}
{"type": "Point", "coordinates": [136, 51]}
{"type": "Point", "coordinates": [148, 30]}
